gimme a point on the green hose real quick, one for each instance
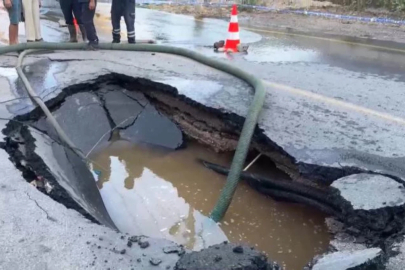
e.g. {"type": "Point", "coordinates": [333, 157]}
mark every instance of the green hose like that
{"type": "Point", "coordinates": [42, 105]}
{"type": "Point", "coordinates": [248, 127]}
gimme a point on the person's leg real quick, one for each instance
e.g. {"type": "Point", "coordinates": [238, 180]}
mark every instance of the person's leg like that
{"type": "Point", "coordinates": [87, 19]}
{"type": "Point", "coordinates": [29, 20]}
{"type": "Point", "coordinates": [14, 14]}
{"type": "Point", "coordinates": [129, 17]}
{"type": "Point", "coordinates": [37, 22]}
{"type": "Point", "coordinates": [13, 34]}
{"type": "Point", "coordinates": [67, 7]}
{"type": "Point", "coordinates": [77, 11]}
{"type": "Point", "coordinates": [116, 8]}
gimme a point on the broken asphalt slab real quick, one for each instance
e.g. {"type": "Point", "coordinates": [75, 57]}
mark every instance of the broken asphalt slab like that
{"type": "Point", "coordinates": [366, 259]}
{"type": "Point", "coordinates": [98, 113]}
{"type": "Point", "coordinates": [370, 192]}
{"type": "Point", "coordinates": [91, 119]}
{"type": "Point", "coordinates": [372, 204]}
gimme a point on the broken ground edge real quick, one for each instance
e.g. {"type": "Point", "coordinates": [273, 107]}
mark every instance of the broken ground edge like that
{"type": "Point", "coordinates": [319, 174]}
{"type": "Point", "coordinates": [381, 227]}
{"type": "Point", "coordinates": [32, 166]}
{"type": "Point", "coordinates": [232, 126]}
{"type": "Point", "coordinates": [322, 175]}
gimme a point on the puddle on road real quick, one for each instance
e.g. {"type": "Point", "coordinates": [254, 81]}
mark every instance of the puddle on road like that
{"type": "Point", "coordinates": [169, 194]}
{"type": "Point", "coordinates": [274, 50]}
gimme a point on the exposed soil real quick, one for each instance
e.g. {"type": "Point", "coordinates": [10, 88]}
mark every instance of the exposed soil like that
{"type": "Point", "coordinates": [300, 23]}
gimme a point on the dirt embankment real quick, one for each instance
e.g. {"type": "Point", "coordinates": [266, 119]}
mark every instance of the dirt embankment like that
{"type": "Point", "coordinates": [301, 23]}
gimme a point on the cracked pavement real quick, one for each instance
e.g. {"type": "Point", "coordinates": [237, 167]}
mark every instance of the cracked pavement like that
{"type": "Point", "coordinates": [40, 207]}
{"type": "Point", "coordinates": [33, 239]}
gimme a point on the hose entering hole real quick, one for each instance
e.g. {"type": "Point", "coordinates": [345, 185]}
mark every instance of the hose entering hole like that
{"type": "Point", "coordinates": [248, 127]}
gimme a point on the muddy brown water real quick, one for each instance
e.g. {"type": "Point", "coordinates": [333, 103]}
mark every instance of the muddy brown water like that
{"type": "Point", "coordinates": [169, 194]}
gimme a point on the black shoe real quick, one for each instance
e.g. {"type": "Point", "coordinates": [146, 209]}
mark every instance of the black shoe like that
{"type": "Point", "coordinates": [131, 40]}
{"type": "Point", "coordinates": [116, 41]}
{"type": "Point", "coordinates": [39, 40]}
{"type": "Point", "coordinates": [93, 45]}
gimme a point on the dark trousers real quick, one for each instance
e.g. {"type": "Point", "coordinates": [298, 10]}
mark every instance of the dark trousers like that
{"type": "Point", "coordinates": [126, 9]}
{"type": "Point", "coordinates": [70, 8]}
{"type": "Point", "coordinates": [88, 22]}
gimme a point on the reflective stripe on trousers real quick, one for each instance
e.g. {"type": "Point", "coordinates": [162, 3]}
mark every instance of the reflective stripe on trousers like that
{"type": "Point", "coordinates": [126, 9]}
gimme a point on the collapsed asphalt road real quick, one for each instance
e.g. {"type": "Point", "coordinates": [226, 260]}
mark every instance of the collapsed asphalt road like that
{"type": "Point", "coordinates": [214, 106]}
{"type": "Point", "coordinates": [309, 133]}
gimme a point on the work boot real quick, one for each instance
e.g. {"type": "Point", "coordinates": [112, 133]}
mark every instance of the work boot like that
{"type": "Point", "coordinates": [83, 31]}
{"type": "Point", "coordinates": [72, 33]}
{"type": "Point", "coordinates": [116, 38]}
{"type": "Point", "coordinates": [131, 40]}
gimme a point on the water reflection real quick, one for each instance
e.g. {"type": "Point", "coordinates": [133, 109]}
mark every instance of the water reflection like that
{"type": "Point", "coordinates": [141, 202]}
{"type": "Point", "coordinates": [41, 76]}
{"type": "Point", "coordinates": [198, 28]}
{"type": "Point", "coordinates": [161, 193]}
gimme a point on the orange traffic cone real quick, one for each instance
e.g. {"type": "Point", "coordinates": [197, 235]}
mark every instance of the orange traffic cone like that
{"type": "Point", "coordinates": [233, 40]}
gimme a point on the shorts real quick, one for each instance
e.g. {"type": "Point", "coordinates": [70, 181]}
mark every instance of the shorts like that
{"type": "Point", "coordinates": [14, 12]}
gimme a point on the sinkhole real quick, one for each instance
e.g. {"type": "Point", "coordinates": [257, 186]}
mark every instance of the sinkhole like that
{"type": "Point", "coordinates": [145, 176]}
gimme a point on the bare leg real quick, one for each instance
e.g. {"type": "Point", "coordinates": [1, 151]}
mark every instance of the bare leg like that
{"type": "Point", "coordinates": [13, 34]}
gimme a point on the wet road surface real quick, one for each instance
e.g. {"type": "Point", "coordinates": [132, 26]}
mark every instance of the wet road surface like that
{"type": "Point", "coordinates": [347, 72]}
{"type": "Point", "coordinates": [371, 78]}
